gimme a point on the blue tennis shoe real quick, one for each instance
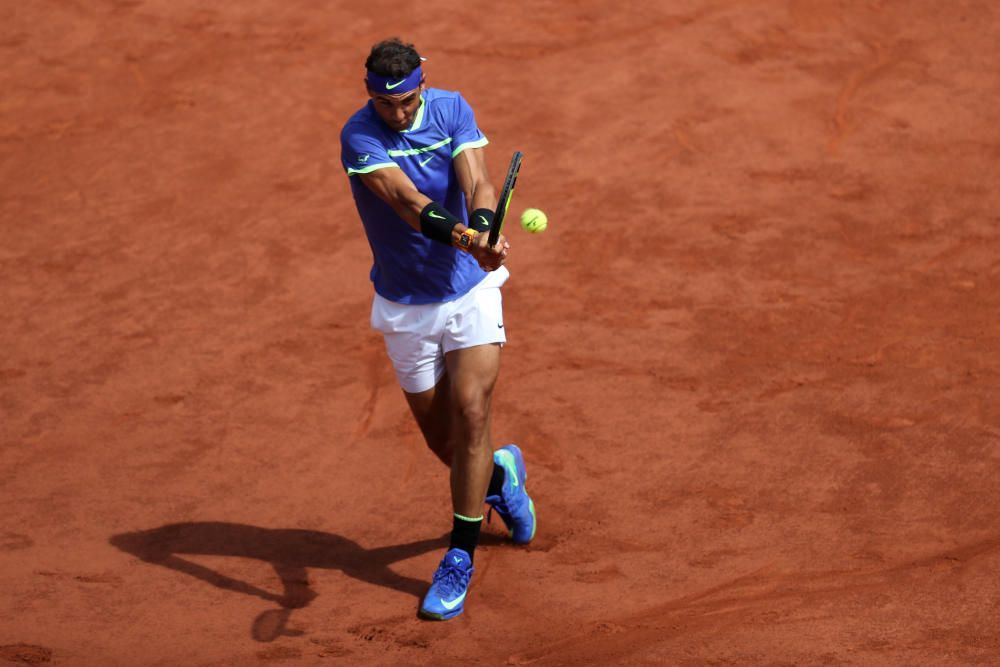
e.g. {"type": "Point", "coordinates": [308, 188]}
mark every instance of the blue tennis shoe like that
{"type": "Point", "coordinates": [513, 504]}
{"type": "Point", "coordinates": [446, 597]}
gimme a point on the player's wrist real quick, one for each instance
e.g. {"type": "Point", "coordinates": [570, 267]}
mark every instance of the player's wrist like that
{"type": "Point", "coordinates": [467, 239]}
{"type": "Point", "coordinates": [481, 219]}
{"type": "Point", "coordinates": [437, 224]}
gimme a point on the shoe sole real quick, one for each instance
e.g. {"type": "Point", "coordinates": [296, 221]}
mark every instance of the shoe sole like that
{"type": "Point", "coordinates": [430, 616]}
{"type": "Point", "coordinates": [534, 523]}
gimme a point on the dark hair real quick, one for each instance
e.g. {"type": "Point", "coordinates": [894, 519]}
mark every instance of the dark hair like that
{"type": "Point", "coordinates": [393, 58]}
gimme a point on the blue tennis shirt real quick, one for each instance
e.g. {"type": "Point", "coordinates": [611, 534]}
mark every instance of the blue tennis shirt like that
{"type": "Point", "coordinates": [408, 267]}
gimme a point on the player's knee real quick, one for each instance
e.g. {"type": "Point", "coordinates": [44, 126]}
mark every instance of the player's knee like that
{"type": "Point", "coordinates": [473, 414]}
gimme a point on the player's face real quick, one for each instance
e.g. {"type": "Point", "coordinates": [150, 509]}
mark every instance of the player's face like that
{"type": "Point", "coordinates": [397, 111]}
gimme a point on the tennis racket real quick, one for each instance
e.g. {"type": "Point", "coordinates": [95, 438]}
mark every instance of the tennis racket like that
{"type": "Point", "coordinates": [503, 202]}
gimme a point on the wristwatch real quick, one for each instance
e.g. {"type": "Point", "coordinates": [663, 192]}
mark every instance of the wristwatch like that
{"type": "Point", "coordinates": [467, 238]}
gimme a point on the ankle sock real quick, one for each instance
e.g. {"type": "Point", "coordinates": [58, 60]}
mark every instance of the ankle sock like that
{"type": "Point", "coordinates": [465, 533]}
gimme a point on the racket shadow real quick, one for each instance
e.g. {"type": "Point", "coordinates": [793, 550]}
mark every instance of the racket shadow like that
{"type": "Point", "coordinates": [291, 552]}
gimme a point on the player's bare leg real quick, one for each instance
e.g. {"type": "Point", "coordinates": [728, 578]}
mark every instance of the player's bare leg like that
{"type": "Point", "coordinates": [432, 411]}
{"type": "Point", "coordinates": [473, 372]}
{"type": "Point", "coordinates": [471, 376]}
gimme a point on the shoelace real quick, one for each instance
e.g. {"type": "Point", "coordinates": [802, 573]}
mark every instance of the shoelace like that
{"type": "Point", "coordinates": [501, 510]}
{"type": "Point", "coordinates": [453, 579]}
{"type": "Point", "coordinates": [501, 507]}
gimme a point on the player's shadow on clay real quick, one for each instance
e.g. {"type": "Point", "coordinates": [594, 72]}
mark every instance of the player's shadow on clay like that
{"type": "Point", "coordinates": [290, 552]}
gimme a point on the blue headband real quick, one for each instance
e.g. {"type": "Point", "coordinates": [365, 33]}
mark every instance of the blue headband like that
{"type": "Point", "coordinates": [390, 86]}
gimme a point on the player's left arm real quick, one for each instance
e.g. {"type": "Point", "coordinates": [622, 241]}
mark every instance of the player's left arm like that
{"type": "Point", "coordinates": [474, 179]}
{"type": "Point", "coordinates": [480, 198]}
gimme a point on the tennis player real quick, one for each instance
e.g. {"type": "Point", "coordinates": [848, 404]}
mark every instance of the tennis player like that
{"type": "Point", "coordinates": [414, 158]}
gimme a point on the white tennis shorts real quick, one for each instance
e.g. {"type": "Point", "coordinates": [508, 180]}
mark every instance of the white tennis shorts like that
{"type": "Point", "coordinates": [418, 337]}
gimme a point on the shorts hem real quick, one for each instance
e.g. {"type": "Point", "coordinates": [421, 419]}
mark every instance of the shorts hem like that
{"type": "Point", "coordinates": [418, 385]}
{"type": "Point", "coordinates": [465, 346]}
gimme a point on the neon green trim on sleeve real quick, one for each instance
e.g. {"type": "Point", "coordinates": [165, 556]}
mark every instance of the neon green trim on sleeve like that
{"type": "Point", "coordinates": [371, 168]}
{"type": "Point", "coordinates": [479, 143]}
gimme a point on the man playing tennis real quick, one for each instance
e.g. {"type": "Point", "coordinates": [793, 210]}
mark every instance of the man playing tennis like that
{"type": "Point", "coordinates": [414, 158]}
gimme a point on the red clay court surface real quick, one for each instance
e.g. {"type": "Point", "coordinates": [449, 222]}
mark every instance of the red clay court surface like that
{"type": "Point", "coordinates": [754, 363]}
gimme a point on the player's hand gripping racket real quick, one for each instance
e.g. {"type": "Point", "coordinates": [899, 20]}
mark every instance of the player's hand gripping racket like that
{"type": "Point", "coordinates": [503, 202]}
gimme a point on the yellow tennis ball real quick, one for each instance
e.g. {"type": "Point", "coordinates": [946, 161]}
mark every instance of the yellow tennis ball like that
{"type": "Point", "coordinates": [534, 221]}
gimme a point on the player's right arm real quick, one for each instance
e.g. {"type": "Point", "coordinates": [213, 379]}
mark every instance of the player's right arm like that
{"type": "Point", "coordinates": [364, 157]}
{"type": "Point", "coordinates": [397, 190]}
